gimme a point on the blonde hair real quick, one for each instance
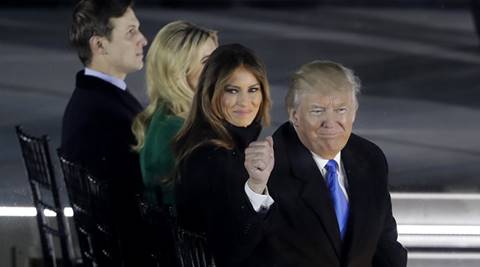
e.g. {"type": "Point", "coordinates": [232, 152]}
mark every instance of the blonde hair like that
{"type": "Point", "coordinates": [168, 63]}
{"type": "Point", "coordinates": [323, 76]}
{"type": "Point", "coordinates": [205, 124]}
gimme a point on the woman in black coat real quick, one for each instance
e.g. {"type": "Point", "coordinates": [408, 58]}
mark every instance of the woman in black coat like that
{"type": "Point", "coordinates": [231, 104]}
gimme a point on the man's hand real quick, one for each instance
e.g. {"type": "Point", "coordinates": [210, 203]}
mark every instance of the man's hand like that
{"type": "Point", "coordinates": [259, 161]}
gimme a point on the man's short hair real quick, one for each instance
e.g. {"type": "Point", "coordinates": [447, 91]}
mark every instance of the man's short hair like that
{"type": "Point", "coordinates": [321, 76]}
{"type": "Point", "coordinates": [92, 17]}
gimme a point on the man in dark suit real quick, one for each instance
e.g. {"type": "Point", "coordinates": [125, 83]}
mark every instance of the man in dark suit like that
{"type": "Point", "coordinates": [96, 129]}
{"type": "Point", "coordinates": [329, 186]}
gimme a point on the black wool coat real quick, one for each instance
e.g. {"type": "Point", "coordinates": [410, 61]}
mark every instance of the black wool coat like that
{"type": "Point", "coordinates": [211, 199]}
{"type": "Point", "coordinates": [304, 229]}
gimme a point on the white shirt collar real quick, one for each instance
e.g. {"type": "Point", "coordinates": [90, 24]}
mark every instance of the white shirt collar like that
{"type": "Point", "coordinates": [110, 79]}
{"type": "Point", "coordinates": [321, 162]}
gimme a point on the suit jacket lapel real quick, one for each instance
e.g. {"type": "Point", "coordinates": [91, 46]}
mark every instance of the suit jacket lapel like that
{"type": "Point", "coordinates": [314, 192]}
{"type": "Point", "coordinates": [359, 199]}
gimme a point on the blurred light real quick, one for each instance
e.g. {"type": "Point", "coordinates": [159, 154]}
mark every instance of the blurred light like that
{"type": "Point", "coordinates": [49, 213]}
{"type": "Point", "coordinates": [68, 212]}
{"type": "Point", "coordinates": [30, 212]}
{"type": "Point", "coordinates": [18, 211]}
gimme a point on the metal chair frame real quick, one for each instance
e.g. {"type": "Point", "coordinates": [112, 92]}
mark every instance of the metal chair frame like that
{"type": "Point", "coordinates": [192, 249]}
{"type": "Point", "coordinates": [41, 177]}
{"type": "Point", "coordinates": [89, 197]}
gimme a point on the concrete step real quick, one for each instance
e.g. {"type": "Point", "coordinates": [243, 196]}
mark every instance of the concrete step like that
{"type": "Point", "coordinates": [443, 259]}
{"type": "Point", "coordinates": [438, 220]}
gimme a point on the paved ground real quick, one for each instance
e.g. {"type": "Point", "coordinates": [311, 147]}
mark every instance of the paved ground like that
{"type": "Point", "coordinates": [419, 68]}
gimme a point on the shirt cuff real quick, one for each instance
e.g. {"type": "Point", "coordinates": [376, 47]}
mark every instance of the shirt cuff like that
{"type": "Point", "coordinates": [259, 201]}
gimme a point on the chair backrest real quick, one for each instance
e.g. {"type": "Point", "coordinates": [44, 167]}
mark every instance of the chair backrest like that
{"type": "Point", "coordinates": [158, 232]}
{"type": "Point", "coordinates": [77, 188]}
{"type": "Point", "coordinates": [150, 215]}
{"type": "Point", "coordinates": [89, 198]}
{"type": "Point", "coordinates": [192, 249]}
{"type": "Point", "coordinates": [41, 176]}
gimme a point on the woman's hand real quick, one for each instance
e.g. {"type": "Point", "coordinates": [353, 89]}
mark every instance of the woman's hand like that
{"type": "Point", "coordinates": [259, 161]}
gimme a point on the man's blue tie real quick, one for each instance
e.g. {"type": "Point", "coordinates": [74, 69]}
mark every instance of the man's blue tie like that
{"type": "Point", "coordinates": [339, 199]}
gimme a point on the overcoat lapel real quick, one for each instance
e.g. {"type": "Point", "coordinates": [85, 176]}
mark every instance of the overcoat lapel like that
{"type": "Point", "coordinates": [314, 192]}
{"type": "Point", "coordinates": [356, 170]}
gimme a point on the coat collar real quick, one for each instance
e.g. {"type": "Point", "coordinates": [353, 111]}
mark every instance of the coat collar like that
{"type": "Point", "coordinates": [106, 77]}
{"type": "Point", "coordinates": [94, 83]}
{"type": "Point", "coordinates": [243, 136]}
{"type": "Point", "coordinates": [87, 82]}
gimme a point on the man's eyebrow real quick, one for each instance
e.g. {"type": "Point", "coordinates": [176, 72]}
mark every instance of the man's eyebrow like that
{"type": "Point", "coordinates": [134, 23]}
{"type": "Point", "coordinates": [342, 104]}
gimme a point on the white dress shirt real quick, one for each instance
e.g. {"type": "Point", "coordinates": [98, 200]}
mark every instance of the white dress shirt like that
{"type": "Point", "coordinates": [108, 78]}
{"type": "Point", "coordinates": [258, 201]}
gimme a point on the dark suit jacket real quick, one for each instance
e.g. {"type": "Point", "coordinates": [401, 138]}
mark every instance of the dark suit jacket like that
{"type": "Point", "coordinates": [97, 132]}
{"type": "Point", "coordinates": [303, 227]}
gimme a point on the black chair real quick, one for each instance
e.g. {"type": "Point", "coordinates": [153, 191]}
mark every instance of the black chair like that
{"type": "Point", "coordinates": [89, 198]}
{"type": "Point", "coordinates": [151, 215]}
{"type": "Point", "coordinates": [176, 246]}
{"type": "Point", "coordinates": [158, 233]}
{"type": "Point", "coordinates": [192, 249]}
{"type": "Point", "coordinates": [41, 176]}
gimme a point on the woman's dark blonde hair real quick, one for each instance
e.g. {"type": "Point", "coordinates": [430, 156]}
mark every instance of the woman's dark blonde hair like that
{"type": "Point", "coordinates": [167, 66]}
{"type": "Point", "coordinates": [206, 121]}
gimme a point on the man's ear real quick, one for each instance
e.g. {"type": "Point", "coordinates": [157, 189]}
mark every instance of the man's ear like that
{"type": "Point", "coordinates": [355, 111]}
{"type": "Point", "coordinates": [293, 116]}
{"type": "Point", "coordinates": [97, 45]}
